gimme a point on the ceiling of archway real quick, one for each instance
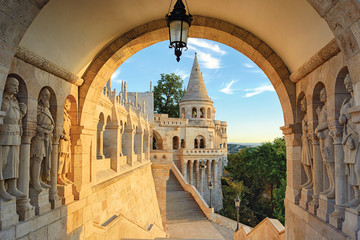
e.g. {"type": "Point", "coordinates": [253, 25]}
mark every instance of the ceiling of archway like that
{"type": "Point", "coordinates": [71, 32]}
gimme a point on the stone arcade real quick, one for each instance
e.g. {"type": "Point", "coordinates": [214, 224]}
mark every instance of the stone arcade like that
{"type": "Point", "coordinates": [60, 53]}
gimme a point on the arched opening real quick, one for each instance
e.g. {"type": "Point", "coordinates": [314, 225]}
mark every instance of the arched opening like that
{"type": "Point", "coordinates": [194, 112]}
{"type": "Point", "coordinates": [202, 143]}
{"type": "Point", "coordinates": [202, 112]}
{"type": "Point", "coordinates": [183, 143]}
{"type": "Point", "coordinates": [108, 138]}
{"type": "Point", "coordinates": [196, 143]}
{"type": "Point", "coordinates": [175, 142]}
{"type": "Point", "coordinates": [157, 141]}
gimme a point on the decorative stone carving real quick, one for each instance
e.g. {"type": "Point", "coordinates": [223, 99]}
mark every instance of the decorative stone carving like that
{"type": "Point", "coordinates": [64, 166]}
{"type": "Point", "coordinates": [351, 146]}
{"type": "Point", "coordinates": [326, 145]}
{"type": "Point", "coordinates": [306, 149]}
{"type": "Point", "coordinates": [10, 140]}
{"type": "Point", "coordinates": [41, 145]}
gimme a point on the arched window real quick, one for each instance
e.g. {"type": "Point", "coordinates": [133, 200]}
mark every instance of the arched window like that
{"type": "Point", "coordinates": [182, 143]}
{"type": "Point", "coordinates": [154, 143]}
{"type": "Point", "coordinates": [157, 141]}
{"type": "Point", "coordinates": [196, 143]}
{"type": "Point", "coordinates": [194, 113]}
{"type": "Point", "coordinates": [202, 143]}
{"type": "Point", "coordinates": [202, 112]}
{"type": "Point", "coordinates": [175, 142]}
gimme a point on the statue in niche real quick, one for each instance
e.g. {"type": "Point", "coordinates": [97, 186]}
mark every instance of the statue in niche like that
{"type": "Point", "coordinates": [351, 145]}
{"type": "Point", "coordinates": [10, 140]}
{"type": "Point", "coordinates": [41, 145]}
{"type": "Point", "coordinates": [306, 149]}
{"type": "Point", "coordinates": [326, 146]}
{"type": "Point", "coordinates": [65, 147]}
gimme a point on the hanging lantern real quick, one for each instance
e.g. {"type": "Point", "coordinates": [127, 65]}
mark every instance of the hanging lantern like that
{"type": "Point", "coordinates": [179, 24]}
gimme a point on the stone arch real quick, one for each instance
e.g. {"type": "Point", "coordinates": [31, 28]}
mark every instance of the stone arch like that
{"type": "Point", "coordinates": [175, 142]}
{"type": "Point", "coordinates": [202, 112]}
{"type": "Point", "coordinates": [182, 145]}
{"type": "Point", "coordinates": [340, 91]}
{"type": "Point", "coordinates": [157, 141]}
{"type": "Point", "coordinates": [116, 52]}
{"type": "Point", "coordinates": [194, 112]}
{"type": "Point", "coordinates": [208, 113]}
{"type": "Point", "coordinates": [182, 112]}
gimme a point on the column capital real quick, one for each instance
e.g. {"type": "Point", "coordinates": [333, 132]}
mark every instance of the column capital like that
{"type": "Point", "coordinates": [291, 129]}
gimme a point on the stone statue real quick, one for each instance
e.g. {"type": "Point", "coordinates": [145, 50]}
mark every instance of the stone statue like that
{"type": "Point", "coordinates": [306, 150]}
{"type": "Point", "coordinates": [65, 147]}
{"type": "Point", "coordinates": [326, 145]}
{"type": "Point", "coordinates": [41, 145]}
{"type": "Point", "coordinates": [10, 140]}
{"type": "Point", "coordinates": [351, 145]}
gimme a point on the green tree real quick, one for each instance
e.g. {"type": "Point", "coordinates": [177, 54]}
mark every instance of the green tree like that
{"type": "Point", "coordinates": [167, 94]}
{"type": "Point", "coordinates": [261, 173]}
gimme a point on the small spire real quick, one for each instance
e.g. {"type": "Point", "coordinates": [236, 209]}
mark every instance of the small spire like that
{"type": "Point", "coordinates": [150, 86]}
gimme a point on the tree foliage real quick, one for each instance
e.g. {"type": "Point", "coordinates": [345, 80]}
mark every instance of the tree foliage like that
{"type": "Point", "coordinates": [261, 174]}
{"type": "Point", "coordinates": [168, 93]}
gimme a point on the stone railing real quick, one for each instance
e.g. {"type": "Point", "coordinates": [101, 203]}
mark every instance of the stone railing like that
{"type": "Point", "coordinates": [268, 229]}
{"type": "Point", "coordinates": [201, 151]}
{"type": "Point", "coordinates": [193, 191]}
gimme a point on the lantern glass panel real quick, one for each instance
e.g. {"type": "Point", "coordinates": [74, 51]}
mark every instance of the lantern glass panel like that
{"type": "Point", "coordinates": [175, 31]}
{"type": "Point", "coordinates": [185, 32]}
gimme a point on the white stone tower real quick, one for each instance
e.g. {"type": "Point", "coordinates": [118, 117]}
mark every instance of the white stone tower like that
{"type": "Point", "coordinates": [196, 104]}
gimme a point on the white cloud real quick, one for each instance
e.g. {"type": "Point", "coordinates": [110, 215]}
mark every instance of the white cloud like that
{"type": "Point", "coordinates": [117, 81]}
{"type": "Point", "coordinates": [227, 89]}
{"type": "Point", "coordinates": [183, 74]}
{"type": "Point", "coordinates": [258, 90]}
{"type": "Point", "coordinates": [206, 59]}
{"type": "Point", "coordinates": [249, 65]}
{"type": "Point", "coordinates": [206, 44]}
{"type": "Point", "coordinates": [115, 74]}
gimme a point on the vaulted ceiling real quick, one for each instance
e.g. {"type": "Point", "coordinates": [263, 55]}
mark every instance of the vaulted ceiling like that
{"type": "Point", "coordinates": [71, 32]}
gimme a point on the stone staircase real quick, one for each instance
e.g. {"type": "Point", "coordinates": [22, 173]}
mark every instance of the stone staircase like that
{"type": "Point", "coordinates": [180, 205]}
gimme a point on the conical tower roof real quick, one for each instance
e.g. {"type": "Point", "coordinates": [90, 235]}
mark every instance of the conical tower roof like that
{"type": "Point", "coordinates": [196, 89]}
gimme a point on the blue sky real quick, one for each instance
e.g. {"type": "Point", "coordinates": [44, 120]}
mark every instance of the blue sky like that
{"type": "Point", "coordinates": [242, 94]}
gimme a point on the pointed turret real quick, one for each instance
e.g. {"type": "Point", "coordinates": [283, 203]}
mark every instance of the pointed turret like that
{"type": "Point", "coordinates": [196, 89]}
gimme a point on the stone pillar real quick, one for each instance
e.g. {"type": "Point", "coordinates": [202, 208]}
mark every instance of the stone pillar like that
{"type": "Point", "coordinates": [293, 161]}
{"type": "Point", "coordinates": [191, 176]}
{"type": "Point", "coordinates": [317, 174]}
{"type": "Point", "coordinates": [53, 193]}
{"type": "Point", "coordinates": [184, 169]}
{"type": "Point", "coordinates": [140, 143]}
{"type": "Point", "coordinates": [215, 173]}
{"type": "Point", "coordinates": [202, 181]}
{"type": "Point", "coordinates": [129, 144]}
{"type": "Point", "coordinates": [24, 208]}
{"type": "Point", "coordinates": [197, 175]}
{"type": "Point", "coordinates": [161, 172]}
{"type": "Point", "coordinates": [100, 143]}
{"type": "Point", "coordinates": [337, 216]}
{"type": "Point", "coordinates": [209, 172]}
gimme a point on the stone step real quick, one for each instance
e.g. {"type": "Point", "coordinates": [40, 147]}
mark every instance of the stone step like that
{"type": "Point", "coordinates": [180, 205]}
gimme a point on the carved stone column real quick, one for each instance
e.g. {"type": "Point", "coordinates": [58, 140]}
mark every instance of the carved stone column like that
{"type": "Point", "coordinates": [317, 174]}
{"type": "Point", "coordinates": [53, 194]}
{"type": "Point", "coordinates": [337, 216]}
{"type": "Point", "coordinates": [184, 169]}
{"type": "Point", "coordinates": [293, 161]}
{"type": "Point", "coordinates": [191, 176]}
{"type": "Point", "coordinates": [23, 207]}
{"type": "Point", "coordinates": [100, 143]}
{"type": "Point", "coordinates": [197, 175]}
